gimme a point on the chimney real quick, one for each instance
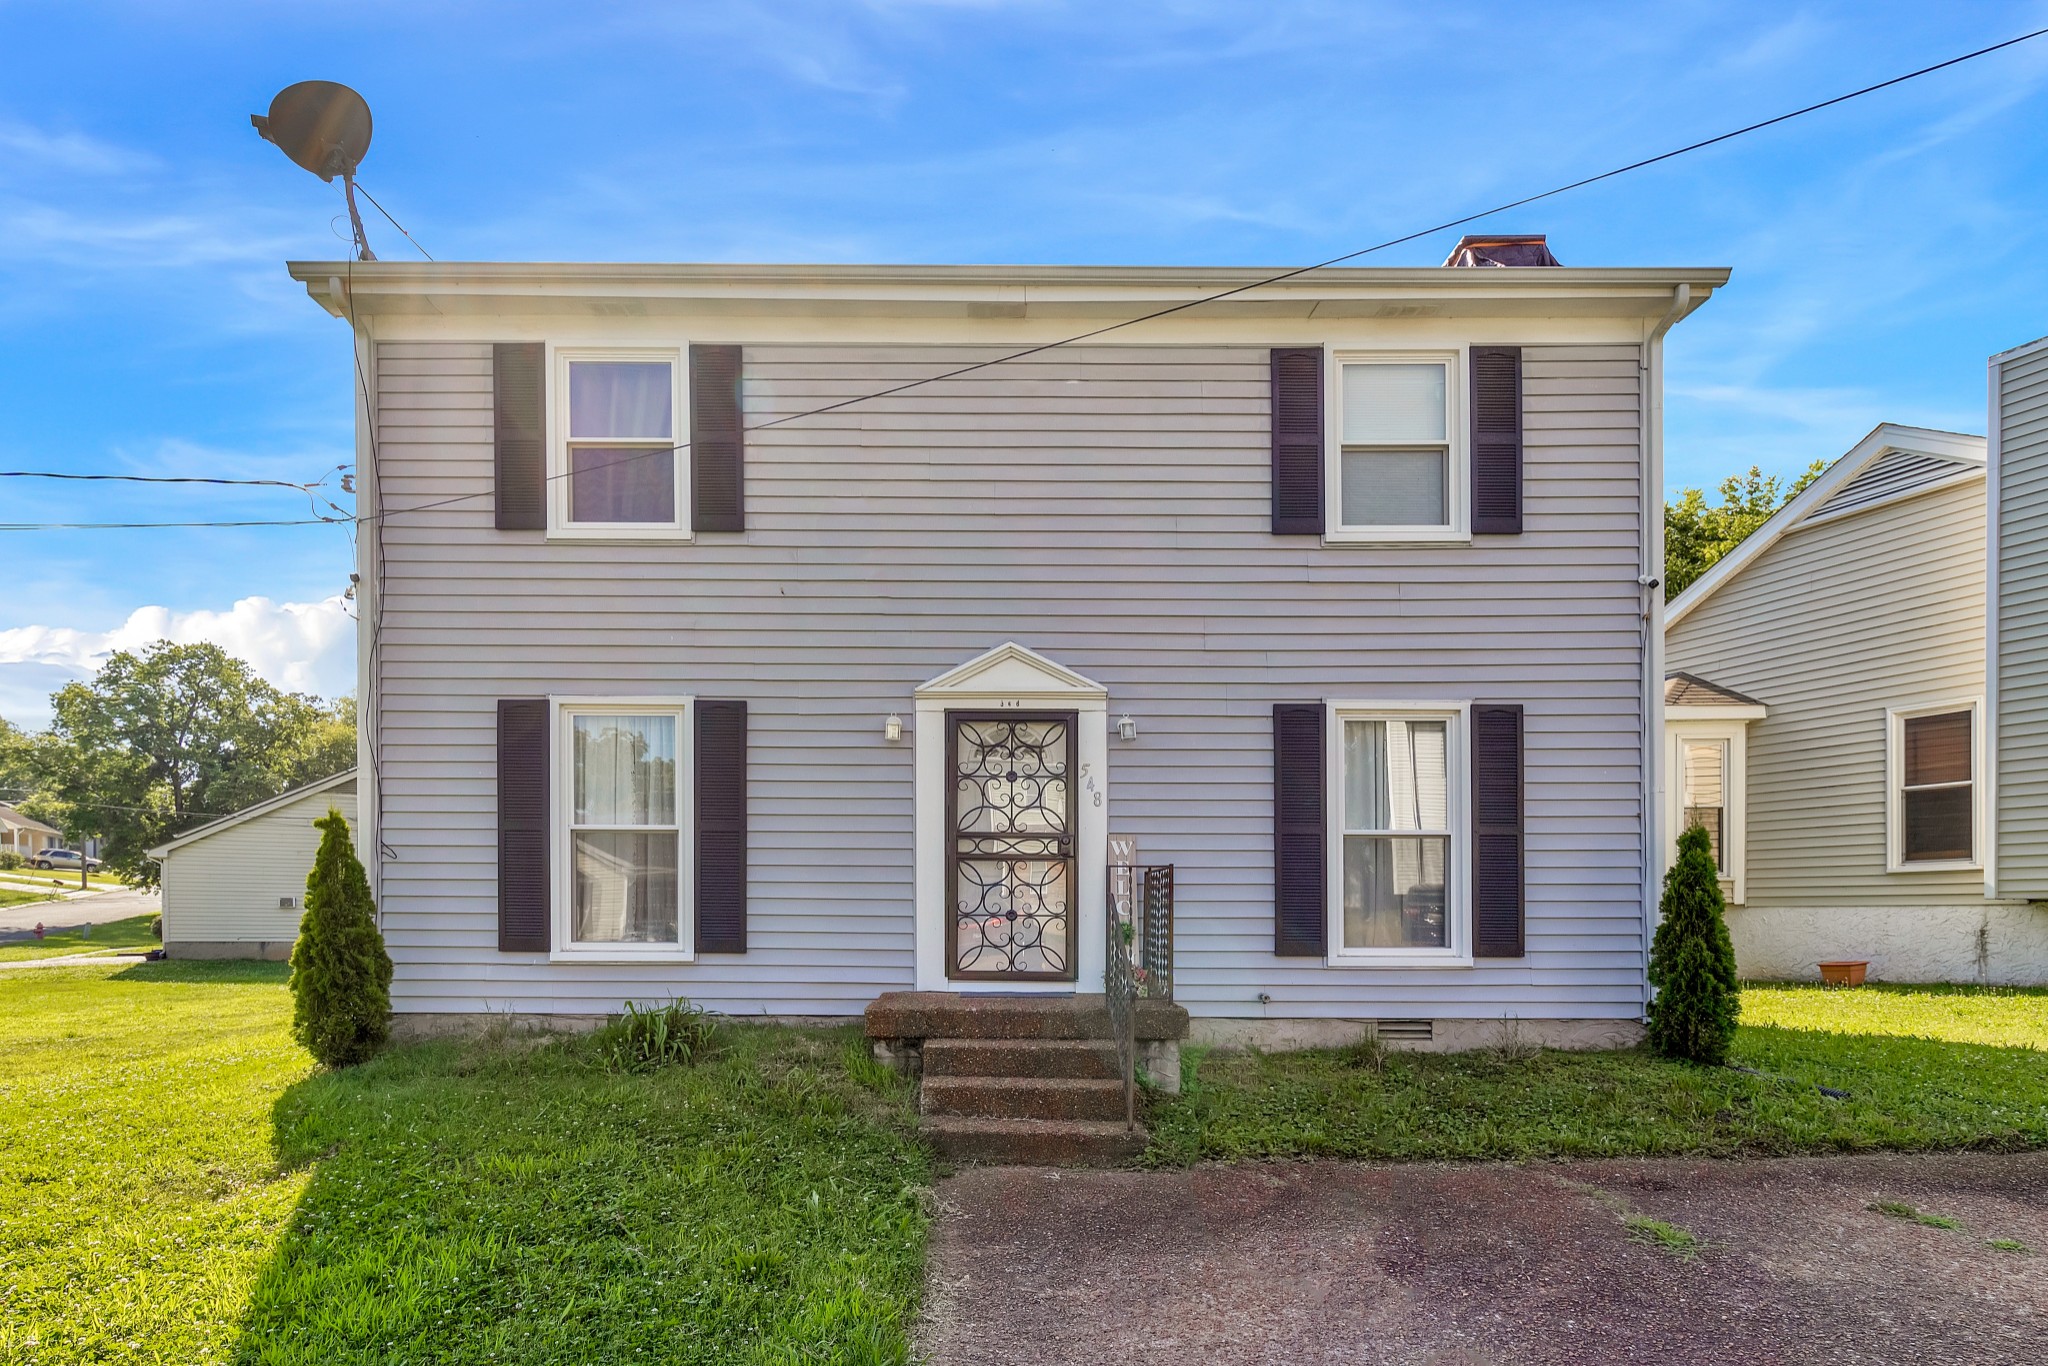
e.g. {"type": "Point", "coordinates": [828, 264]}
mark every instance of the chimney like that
{"type": "Point", "coordinates": [1528, 249]}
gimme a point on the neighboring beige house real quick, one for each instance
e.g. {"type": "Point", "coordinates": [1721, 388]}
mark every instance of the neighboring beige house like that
{"type": "Point", "coordinates": [25, 835]}
{"type": "Point", "coordinates": [1826, 720]}
{"type": "Point", "coordinates": [1336, 595]}
{"type": "Point", "coordinates": [236, 888]}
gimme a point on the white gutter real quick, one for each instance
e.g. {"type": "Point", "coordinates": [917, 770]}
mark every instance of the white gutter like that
{"type": "Point", "coordinates": [1652, 583]}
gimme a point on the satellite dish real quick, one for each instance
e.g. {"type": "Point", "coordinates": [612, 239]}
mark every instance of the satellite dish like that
{"type": "Point", "coordinates": [325, 127]}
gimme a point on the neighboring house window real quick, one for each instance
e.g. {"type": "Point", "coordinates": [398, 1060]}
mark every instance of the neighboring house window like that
{"type": "Point", "coordinates": [1396, 475]}
{"type": "Point", "coordinates": [1934, 770]}
{"type": "Point", "coordinates": [1398, 794]}
{"type": "Point", "coordinates": [615, 470]}
{"type": "Point", "coordinates": [1706, 794]}
{"type": "Point", "coordinates": [622, 855]}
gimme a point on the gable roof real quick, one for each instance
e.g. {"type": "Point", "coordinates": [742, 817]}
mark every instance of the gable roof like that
{"type": "Point", "coordinates": [13, 816]}
{"type": "Point", "coordinates": [1891, 463]}
{"type": "Point", "coordinates": [1682, 689]}
{"type": "Point", "coordinates": [347, 777]}
{"type": "Point", "coordinates": [1008, 669]}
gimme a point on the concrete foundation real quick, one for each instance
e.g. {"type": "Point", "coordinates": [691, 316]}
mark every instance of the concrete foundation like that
{"type": "Point", "coordinates": [1445, 1036]}
{"type": "Point", "coordinates": [1993, 943]}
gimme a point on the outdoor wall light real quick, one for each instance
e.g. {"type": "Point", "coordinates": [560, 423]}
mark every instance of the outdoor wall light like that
{"type": "Point", "coordinates": [892, 729]}
{"type": "Point", "coordinates": [1126, 729]}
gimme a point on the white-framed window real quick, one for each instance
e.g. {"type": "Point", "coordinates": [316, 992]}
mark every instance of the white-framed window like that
{"type": "Point", "coordinates": [1934, 765]}
{"type": "Point", "coordinates": [618, 466]}
{"type": "Point", "coordinates": [1398, 839]}
{"type": "Point", "coordinates": [622, 823]}
{"type": "Point", "coordinates": [1703, 779]}
{"type": "Point", "coordinates": [1397, 469]}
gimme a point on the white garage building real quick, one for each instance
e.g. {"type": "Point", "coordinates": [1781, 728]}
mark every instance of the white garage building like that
{"type": "Point", "coordinates": [236, 888]}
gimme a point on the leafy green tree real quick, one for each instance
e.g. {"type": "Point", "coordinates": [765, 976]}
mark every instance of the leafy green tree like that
{"type": "Point", "coordinates": [1692, 962]}
{"type": "Point", "coordinates": [166, 737]}
{"type": "Point", "coordinates": [1696, 535]}
{"type": "Point", "coordinates": [341, 975]}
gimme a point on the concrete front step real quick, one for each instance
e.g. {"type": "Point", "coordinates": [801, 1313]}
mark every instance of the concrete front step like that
{"type": "Point", "coordinates": [1084, 1058]}
{"type": "Point", "coordinates": [1034, 1142]}
{"type": "Point", "coordinates": [968, 1015]}
{"type": "Point", "coordinates": [1022, 1098]}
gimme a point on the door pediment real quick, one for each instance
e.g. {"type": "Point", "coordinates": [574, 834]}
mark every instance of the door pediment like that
{"type": "Point", "coordinates": [1011, 671]}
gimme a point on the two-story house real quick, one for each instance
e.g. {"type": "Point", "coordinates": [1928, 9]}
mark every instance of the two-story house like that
{"type": "Point", "coordinates": [776, 637]}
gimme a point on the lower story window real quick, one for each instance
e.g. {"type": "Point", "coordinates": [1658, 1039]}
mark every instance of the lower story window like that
{"type": "Point", "coordinates": [623, 799]}
{"type": "Point", "coordinates": [1706, 794]}
{"type": "Point", "coordinates": [1395, 809]}
{"type": "Point", "coordinates": [1937, 789]}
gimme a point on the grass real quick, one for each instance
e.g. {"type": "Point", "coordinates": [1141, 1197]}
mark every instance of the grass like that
{"type": "Point", "coordinates": [60, 879]}
{"type": "Point", "coordinates": [178, 1183]}
{"type": "Point", "coordinates": [129, 934]}
{"type": "Point", "coordinates": [1898, 1209]}
{"type": "Point", "coordinates": [16, 896]}
{"type": "Point", "coordinates": [1665, 1237]}
{"type": "Point", "coordinates": [2005, 1017]}
{"type": "Point", "coordinates": [1916, 1073]}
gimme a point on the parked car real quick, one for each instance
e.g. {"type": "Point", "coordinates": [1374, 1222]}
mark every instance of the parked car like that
{"type": "Point", "coordinates": [65, 858]}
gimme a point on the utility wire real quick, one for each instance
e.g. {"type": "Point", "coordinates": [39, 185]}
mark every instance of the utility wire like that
{"type": "Point", "coordinates": [171, 479]}
{"type": "Point", "coordinates": [393, 221]}
{"type": "Point", "coordinates": [1171, 309]}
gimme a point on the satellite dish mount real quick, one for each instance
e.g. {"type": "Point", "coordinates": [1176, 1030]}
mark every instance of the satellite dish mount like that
{"type": "Point", "coordinates": [325, 127]}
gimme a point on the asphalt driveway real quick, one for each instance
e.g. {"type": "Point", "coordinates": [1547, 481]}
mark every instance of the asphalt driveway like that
{"type": "Point", "coordinates": [1461, 1265]}
{"type": "Point", "coordinates": [101, 908]}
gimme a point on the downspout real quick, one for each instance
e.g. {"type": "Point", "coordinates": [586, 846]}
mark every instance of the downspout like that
{"type": "Point", "coordinates": [1994, 422]}
{"type": "Point", "coordinates": [1651, 583]}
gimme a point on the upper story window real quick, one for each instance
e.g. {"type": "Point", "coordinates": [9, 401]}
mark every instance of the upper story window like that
{"type": "Point", "coordinates": [1397, 475]}
{"type": "Point", "coordinates": [1933, 761]}
{"type": "Point", "coordinates": [615, 468]}
{"type": "Point", "coordinates": [1398, 795]}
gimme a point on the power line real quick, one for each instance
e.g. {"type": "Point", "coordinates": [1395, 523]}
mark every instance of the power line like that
{"type": "Point", "coordinates": [1171, 309]}
{"type": "Point", "coordinates": [169, 479]}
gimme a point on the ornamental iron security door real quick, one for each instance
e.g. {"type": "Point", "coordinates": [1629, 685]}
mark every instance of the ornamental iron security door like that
{"type": "Point", "coordinates": [1010, 850]}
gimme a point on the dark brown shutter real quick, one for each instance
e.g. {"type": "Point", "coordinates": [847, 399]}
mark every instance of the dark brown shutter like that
{"type": "Point", "coordinates": [1300, 876]}
{"type": "Point", "coordinates": [718, 447]}
{"type": "Point", "coordinates": [1496, 440]}
{"type": "Point", "coordinates": [1297, 440]}
{"type": "Point", "coordinates": [721, 827]}
{"type": "Point", "coordinates": [523, 886]}
{"type": "Point", "coordinates": [1497, 831]}
{"type": "Point", "coordinates": [519, 408]}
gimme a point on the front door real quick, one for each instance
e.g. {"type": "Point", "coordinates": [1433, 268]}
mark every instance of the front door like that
{"type": "Point", "coordinates": [1010, 845]}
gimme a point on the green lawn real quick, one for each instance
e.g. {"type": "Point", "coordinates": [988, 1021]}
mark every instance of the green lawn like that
{"type": "Point", "coordinates": [179, 1184]}
{"type": "Point", "coordinates": [1924, 1067]}
{"type": "Point", "coordinates": [132, 933]}
{"type": "Point", "coordinates": [16, 896]}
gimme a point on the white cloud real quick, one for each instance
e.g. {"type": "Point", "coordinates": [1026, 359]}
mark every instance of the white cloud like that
{"type": "Point", "coordinates": [300, 646]}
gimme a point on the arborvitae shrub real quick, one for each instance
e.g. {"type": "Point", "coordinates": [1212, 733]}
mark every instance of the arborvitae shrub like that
{"type": "Point", "coordinates": [341, 976]}
{"type": "Point", "coordinates": [1692, 962]}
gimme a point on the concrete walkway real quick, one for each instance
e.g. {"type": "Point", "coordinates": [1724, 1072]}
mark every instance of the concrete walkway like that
{"type": "Point", "coordinates": [1457, 1266]}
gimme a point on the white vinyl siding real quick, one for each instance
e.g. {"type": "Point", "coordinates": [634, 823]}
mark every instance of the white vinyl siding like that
{"type": "Point", "coordinates": [1831, 627]}
{"type": "Point", "coordinates": [226, 887]}
{"type": "Point", "coordinates": [2020, 408]}
{"type": "Point", "coordinates": [1104, 505]}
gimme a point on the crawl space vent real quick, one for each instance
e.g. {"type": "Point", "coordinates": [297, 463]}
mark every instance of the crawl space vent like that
{"type": "Point", "coordinates": [1406, 1031]}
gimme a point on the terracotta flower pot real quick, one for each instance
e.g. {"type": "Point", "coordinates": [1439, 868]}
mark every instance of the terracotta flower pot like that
{"type": "Point", "coordinates": [1846, 972]}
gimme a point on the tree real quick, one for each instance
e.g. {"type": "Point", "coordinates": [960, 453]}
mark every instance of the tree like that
{"type": "Point", "coordinates": [341, 975]}
{"type": "Point", "coordinates": [1696, 535]}
{"type": "Point", "coordinates": [164, 738]}
{"type": "Point", "coordinates": [1692, 962]}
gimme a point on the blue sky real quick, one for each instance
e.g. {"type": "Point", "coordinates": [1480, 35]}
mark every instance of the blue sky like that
{"type": "Point", "coordinates": [1881, 251]}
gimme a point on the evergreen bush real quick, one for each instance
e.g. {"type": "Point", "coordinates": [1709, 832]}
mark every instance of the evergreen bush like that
{"type": "Point", "coordinates": [341, 975]}
{"type": "Point", "coordinates": [1692, 962]}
